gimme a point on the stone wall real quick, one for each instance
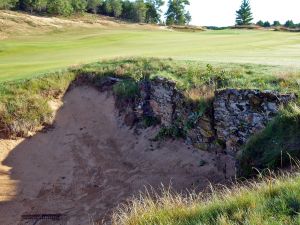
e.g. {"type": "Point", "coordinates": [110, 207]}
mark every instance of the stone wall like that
{"type": "Point", "coordinates": [232, 117]}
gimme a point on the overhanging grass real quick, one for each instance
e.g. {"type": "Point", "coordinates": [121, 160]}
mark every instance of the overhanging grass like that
{"type": "Point", "coordinates": [275, 201]}
{"type": "Point", "coordinates": [276, 146]}
{"type": "Point", "coordinates": [194, 74]}
{"type": "Point", "coordinates": [24, 104]}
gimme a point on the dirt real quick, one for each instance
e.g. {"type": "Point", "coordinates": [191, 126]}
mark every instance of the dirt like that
{"type": "Point", "coordinates": [89, 162]}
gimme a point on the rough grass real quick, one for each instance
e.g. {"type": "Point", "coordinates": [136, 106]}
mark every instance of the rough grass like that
{"type": "Point", "coordinates": [273, 201]}
{"type": "Point", "coordinates": [24, 103]}
{"type": "Point", "coordinates": [198, 78]}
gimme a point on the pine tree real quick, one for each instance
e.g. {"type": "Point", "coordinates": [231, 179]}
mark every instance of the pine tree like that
{"type": "Point", "coordinates": [244, 14]}
{"type": "Point", "coordinates": [153, 11]}
{"type": "Point", "coordinates": [176, 13]}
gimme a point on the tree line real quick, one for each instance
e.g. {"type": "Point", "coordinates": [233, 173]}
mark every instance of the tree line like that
{"type": "Point", "coordinates": [142, 11]}
{"type": "Point", "coordinates": [244, 17]}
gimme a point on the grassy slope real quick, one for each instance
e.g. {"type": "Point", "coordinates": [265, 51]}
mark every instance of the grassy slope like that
{"type": "Point", "coordinates": [23, 56]}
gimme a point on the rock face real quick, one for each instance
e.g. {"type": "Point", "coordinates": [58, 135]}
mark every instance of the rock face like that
{"type": "Point", "coordinates": [161, 100]}
{"type": "Point", "coordinates": [238, 114]}
{"type": "Point", "coordinates": [225, 125]}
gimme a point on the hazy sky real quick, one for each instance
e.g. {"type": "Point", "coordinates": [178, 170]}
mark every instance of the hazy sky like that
{"type": "Point", "coordinates": [222, 12]}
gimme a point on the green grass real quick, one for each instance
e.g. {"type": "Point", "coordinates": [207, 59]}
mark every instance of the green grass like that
{"type": "Point", "coordinates": [25, 56]}
{"type": "Point", "coordinates": [276, 146]}
{"type": "Point", "coordinates": [274, 201]}
{"type": "Point", "coordinates": [23, 103]}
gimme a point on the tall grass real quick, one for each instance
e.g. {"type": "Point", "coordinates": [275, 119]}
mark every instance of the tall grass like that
{"type": "Point", "coordinates": [273, 201]}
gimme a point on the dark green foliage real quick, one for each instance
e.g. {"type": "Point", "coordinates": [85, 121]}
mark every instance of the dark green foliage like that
{"type": "Point", "coordinates": [136, 11]}
{"type": "Point", "coordinates": [275, 146]}
{"type": "Point", "coordinates": [176, 13]}
{"type": "Point", "coordinates": [113, 7]}
{"type": "Point", "coordinates": [267, 24]}
{"type": "Point", "coordinates": [276, 23]}
{"type": "Point", "coordinates": [289, 24]}
{"type": "Point", "coordinates": [126, 90]}
{"type": "Point", "coordinates": [93, 5]}
{"type": "Point", "coordinates": [149, 121]}
{"type": "Point", "coordinates": [153, 11]}
{"type": "Point", "coordinates": [128, 10]}
{"type": "Point", "coordinates": [173, 131]}
{"type": "Point", "coordinates": [60, 7]}
{"type": "Point", "coordinates": [8, 4]}
{"type": "Point", "coordinates": [260, 23]}
{"type": "Point", "coordinates": [244, 14]}
{"type": "Point", "coordinates": [79, 5]}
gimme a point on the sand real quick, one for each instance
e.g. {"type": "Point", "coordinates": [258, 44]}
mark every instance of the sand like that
{"type": "Point", "coordinates": [89, 162]}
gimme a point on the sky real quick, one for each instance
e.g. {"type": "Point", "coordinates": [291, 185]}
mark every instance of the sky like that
{"type": "Point", "coordinates": [222, 12]}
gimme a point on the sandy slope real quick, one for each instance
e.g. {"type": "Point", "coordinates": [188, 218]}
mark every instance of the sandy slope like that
{"type": "Point", "coordinates": [88, 163]}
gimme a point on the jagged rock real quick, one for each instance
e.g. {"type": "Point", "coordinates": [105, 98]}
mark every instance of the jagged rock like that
{"type": "Point", "coordinates": [238, 114]}
{"type": "Point", "coordinates": [231, 119]}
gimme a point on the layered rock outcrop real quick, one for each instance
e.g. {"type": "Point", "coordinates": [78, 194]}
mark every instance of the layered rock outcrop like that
{"type": "Point", "coordinates": [225, 125]}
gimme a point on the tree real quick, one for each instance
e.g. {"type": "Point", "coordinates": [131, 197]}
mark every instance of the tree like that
{"type": "Point", "coordinates": [7, 4]}
{"type": "Point", "coordinates": [276, 23]}
{"type": "Point", "coordinates": [79, 5]}
{"type": "Point", "coordinates": [267, 24]}
{"type": "Point", "coordinates": [188, 17]}
{"type": "Point", "coordinates": [128, 10]}
{"type": "Point", "coordinates": [59, 7]}
{"type": "Point", "coordinates": [139, 11]}
{"type": "Point", "coordinates": [153, 11]}
{"type": "Point", "coordinates": [113, 7]}
{"type": "Point", "coordinates": [260, 23]}
{"type": "Point", "coordinates": [176, 13]}
{"type": "Point", "coordinates": [289, 24]}
{"type": "Point", "coordinates": [244, 14]}
{"type": "Point", "coordinates": [93, 5]}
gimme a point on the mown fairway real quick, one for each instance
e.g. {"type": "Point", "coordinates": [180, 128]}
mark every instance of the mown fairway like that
{"type": "Point", "coordinates": [29, 55]}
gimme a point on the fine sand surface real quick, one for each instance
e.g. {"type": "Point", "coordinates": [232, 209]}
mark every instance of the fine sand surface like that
{"type": "Point", "coordinates": [88, 163]}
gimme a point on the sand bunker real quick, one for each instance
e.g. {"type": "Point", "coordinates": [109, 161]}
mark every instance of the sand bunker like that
{"type": "Point", "coordinates": [89, 162]}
